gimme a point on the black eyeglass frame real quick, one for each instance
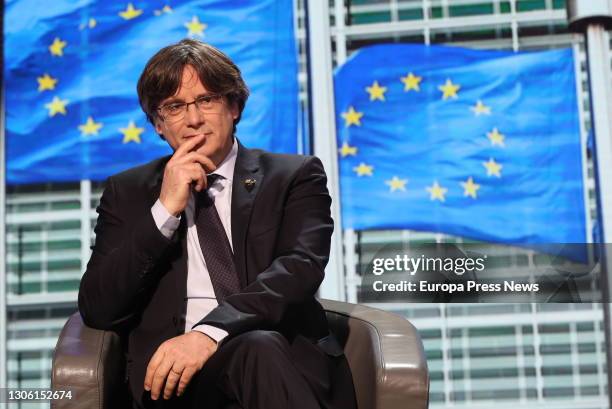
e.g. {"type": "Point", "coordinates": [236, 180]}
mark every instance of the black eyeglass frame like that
{"type": "Point", "coordinates": [184, 106]}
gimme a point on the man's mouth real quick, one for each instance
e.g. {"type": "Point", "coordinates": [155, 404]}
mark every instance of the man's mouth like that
{"type": "Point", "coordinates": [200, 144]}
{"type": "Point", "coordinates": [206, 134]}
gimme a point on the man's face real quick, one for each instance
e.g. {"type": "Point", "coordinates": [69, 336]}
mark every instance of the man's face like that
{"type": "Point", "coordinates": [216, 126]}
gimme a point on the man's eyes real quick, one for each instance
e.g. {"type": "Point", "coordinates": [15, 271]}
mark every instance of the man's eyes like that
{"type": "Point", "coordinates": [204, 100]}
{"type": "Point", "coordinates": [177, 106]}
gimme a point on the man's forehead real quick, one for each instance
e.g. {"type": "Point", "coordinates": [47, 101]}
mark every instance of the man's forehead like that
{"type": "Point", "coordinates": [190, 78]}
{"type": "Point", "coordinates": [190, 85]}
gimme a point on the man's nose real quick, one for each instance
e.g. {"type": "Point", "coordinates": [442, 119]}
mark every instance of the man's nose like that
{"type": "Point", "coordinates": [194, 116]}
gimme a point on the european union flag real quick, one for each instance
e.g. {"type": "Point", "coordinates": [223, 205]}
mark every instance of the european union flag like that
{"type": "Point", "coordinates": [71, 69]}
{"type": "Point", "coordinates": [480, 144]}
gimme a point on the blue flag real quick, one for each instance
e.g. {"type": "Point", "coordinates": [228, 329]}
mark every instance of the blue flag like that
{"type": "Point", "coordinates": [480, 144]}
{"type": "Point", "coordinates": [71, 69]}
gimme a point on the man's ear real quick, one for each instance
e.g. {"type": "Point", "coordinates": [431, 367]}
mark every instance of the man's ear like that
{"type": "Point", "coordinates": [159, 127]}
{"type": "Point", "coordinates": [234, 110]}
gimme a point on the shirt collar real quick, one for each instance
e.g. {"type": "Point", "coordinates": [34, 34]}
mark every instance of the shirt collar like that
{"type": "Point", "coordinates": [226, 167]}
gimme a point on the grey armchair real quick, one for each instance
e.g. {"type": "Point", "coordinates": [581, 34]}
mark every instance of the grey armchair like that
{"type": "Point", "coordinates": [384, 352]}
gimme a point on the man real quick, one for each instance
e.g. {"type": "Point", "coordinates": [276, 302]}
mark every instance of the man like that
{"type": "Point", "coordinates": [209, 259]}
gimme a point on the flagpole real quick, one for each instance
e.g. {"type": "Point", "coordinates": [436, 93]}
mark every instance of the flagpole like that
{"type": "Point", "coordinates": [349, 239]}
{"type": "Point", "coordinates": [85, 199]}
{"type": "Point", "coordinates": [324, 134]}
{"type": "Point", "coordinates": [584, 137]}
{"type": "Point", "coordinates": [593, 18]}
{"type": "Point", "coordinates": [3, 298]}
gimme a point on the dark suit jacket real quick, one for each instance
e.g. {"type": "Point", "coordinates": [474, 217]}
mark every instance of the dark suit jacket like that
{"type": "Point", "coordinates": [281, 228]}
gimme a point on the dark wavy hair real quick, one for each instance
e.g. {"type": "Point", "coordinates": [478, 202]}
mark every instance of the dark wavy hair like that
{"type": "Point", "coordinates": [161, 77]}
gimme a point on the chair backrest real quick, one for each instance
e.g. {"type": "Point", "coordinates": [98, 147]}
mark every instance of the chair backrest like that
{"type": "Point", "coordinates": [385, 354]}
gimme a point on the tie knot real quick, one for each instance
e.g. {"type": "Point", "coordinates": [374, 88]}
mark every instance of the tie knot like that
{"type": "Point", "coordinates": [212, 178]}
{"type": "Point", "coordinates": [204, 198]}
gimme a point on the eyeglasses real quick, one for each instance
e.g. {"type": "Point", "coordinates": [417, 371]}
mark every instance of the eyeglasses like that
{"type": "Point", "coordinates": [176, 111]}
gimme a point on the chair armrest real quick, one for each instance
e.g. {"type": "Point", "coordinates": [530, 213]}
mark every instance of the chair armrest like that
{"type": "Point", "coordinates": [388, 345]}
{"type": "Point", "coordinates": [89, 362]}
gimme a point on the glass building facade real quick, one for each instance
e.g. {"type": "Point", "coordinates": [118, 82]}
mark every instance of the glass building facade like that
{"type": "Point", "coordinates": [479, 355]}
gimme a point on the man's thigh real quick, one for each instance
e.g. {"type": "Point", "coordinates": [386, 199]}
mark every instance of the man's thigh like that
{"type": "Point", "coordinates": [255, 369]}
{"type": "Point", "coordinates": [258, 365]}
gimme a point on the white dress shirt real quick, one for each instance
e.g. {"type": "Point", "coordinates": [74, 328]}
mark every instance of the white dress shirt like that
{"type": "Point", "coordinates": [200, 293]}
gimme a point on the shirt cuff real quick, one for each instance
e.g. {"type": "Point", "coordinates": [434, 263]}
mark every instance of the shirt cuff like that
{"type": "Point", "coordinates": [165, 222]}
{"type": "Point", "coordinates": [215, 333]}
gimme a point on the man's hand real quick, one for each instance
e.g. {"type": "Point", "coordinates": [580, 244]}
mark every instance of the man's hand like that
{"type": "Point", "coordinates": [176, 361]}
{"type": "Point", "coordinates": [186, 167]}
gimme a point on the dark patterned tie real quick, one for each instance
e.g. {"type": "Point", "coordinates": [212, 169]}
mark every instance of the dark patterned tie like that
{"type": "Point", "coordinates": [215, 245]}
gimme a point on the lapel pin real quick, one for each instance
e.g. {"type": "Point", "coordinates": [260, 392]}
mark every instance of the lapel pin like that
{"type": "Point", "coordinates": [249, 184]}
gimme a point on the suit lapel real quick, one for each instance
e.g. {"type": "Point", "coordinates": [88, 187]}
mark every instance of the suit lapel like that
{"type": "Point", "coordinates": [248, 177]}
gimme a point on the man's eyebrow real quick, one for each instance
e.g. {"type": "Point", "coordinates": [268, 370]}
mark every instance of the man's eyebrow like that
{"type": "Point", "coordinates": [171, 100]}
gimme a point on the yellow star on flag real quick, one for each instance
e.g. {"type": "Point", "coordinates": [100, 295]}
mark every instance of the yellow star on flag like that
{"type": "Point", "coordinates": [449, 89]}
{"type": "Point", "coordinates": [470, 188]}
{"type": "Point", "coordinates": [376, 92]}
{"type": "Point", "coordinates": [165, 9]}
{"type": "Point", "coordinates": [346, 150]}
{"type": "Point", "coordinates": [90, 127]}
{"type": "Point", "coordinates": [496, 138]}
{"type": "Point", "coordinates": [436, 192]}
{"type": "Point", "coordinates": [195, 27]}
{"type": "Point", "coordinates": [131, 133]}
{"type": "Point", "coordinates": [130, 12]}
{"type": "Point", "coordinates": [46, 82]}
{"type": "Point", "coordinates": [396, 183]}
{"type": "Point", "coordinates": [57, 47]}
{"type": "Point", "coordinates": [352, 117]}
{"type": "Point", "coordinates": [91, 23]}
{"type": "Point", "coordinates": [481, 109]}
{"type": "Point", "coordinates": [57, 106]}
{"type": "Point", "coordinates": [493, 168]}
{"type": "Point", "coordinates": [363, 169]}
{"type": "Point", "coordinates": [411, 81]}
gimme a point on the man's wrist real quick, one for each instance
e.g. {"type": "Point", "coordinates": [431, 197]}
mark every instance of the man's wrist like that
{"type": "Point", "coordinates": [166, 223]}
{"type": "Point", "coordinates": [205, 335]}
{"type": "Point", "coordinates": [209, 343]}
{"type": "Point", "coordinates": [172, 211]}
{"type": "Point", "coordinates": [216, 334]}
